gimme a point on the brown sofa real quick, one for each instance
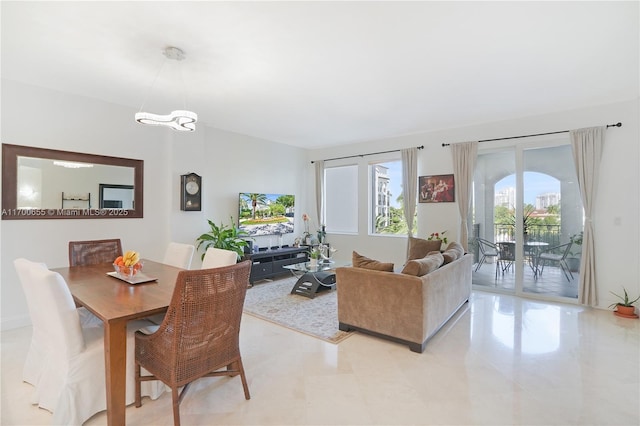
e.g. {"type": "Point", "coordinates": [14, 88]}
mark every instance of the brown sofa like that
{"type": "Point", "coordinates": [403, 308]}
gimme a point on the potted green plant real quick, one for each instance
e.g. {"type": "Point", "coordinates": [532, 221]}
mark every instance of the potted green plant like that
{"type": "Point", "coordinates": [573, 260]}
{"type": "Point", "coordinates": [624, 307]}
{"type": "Point", "coordinates": [223, 237]}
{"type": "Point", "coordinates": [314, 255]}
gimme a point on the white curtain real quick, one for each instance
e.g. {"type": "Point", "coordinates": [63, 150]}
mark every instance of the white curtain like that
{"type": "Point", "coordinates": [587, 152]}
{"type": "Point", "coordinates": [409, 187]}
{"type": "Point", "coordinates": [319, 168]}
{"type": "Point", "coordinates": [464, 164]}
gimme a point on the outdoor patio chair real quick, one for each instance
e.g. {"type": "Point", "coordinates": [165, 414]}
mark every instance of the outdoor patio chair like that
{"type": "Point", "coordinates": [506, 255]}
{"type": "Point", "coordinates": [488, 250]}
{"type": "Point", "coordinates": [556, 254]}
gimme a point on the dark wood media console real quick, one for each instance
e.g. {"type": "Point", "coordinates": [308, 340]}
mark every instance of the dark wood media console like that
{"type": "Point", "coordinates": [270, 263]}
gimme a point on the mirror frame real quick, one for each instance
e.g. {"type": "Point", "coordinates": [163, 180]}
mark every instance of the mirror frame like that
{"type": "Point", "coordinates": [10, 154]}
{"type": "Point", "coordinates": [103, 186]}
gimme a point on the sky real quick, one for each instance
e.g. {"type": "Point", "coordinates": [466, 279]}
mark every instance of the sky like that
{"type": "Point", "coordinates": [534, 184]}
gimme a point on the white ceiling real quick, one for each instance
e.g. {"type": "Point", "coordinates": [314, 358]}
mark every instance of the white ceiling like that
{"type": "Point", "coordinates": [315, 74]}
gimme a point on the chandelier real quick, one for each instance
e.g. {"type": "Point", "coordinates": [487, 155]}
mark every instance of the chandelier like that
{"type": "Point", "coordinates": [180, 120]}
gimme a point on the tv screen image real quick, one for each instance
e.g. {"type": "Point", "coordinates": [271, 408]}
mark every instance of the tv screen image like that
{"type": "Point", "coordinates": [266, 214]}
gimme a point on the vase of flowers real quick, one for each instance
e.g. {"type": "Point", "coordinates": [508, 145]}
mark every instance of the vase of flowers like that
{"type": "Point", "coordinates": [306, 236]}
{"type": "Point", "coordinates": [438, 236]}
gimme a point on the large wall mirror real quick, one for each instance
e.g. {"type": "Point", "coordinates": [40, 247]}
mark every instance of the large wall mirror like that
{"type": "Point", "coordinates": [42, 183]}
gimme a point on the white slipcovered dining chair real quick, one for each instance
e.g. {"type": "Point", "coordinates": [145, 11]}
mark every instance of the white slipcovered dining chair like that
{"type": "Point", "coordinates": [71, 380]}
{"type": "Point", "coordinates": [215, 258]}
{"type": "Point", "coordinates": [36, 356]}
{"type": "Point", "coordinates": [179, 255]}
{"type": "Point", "coordinates": [34, 362]}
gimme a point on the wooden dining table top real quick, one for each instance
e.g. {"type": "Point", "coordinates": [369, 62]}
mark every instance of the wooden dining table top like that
{"type": "Point", "coordinates": [110, 298]}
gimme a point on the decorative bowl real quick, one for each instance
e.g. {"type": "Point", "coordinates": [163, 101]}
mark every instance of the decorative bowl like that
{"type": "Point", "coordinates": [127, 272]}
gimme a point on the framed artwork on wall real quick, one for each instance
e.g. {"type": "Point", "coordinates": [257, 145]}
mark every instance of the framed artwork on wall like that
{"type": "Point", "coordinates": [436, 189]}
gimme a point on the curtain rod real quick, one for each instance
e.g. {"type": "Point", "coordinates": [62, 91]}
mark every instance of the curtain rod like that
{"type": "Point", "coordinates": [618, 124]}
{"type": "Point", "coordinates": [362, 155]}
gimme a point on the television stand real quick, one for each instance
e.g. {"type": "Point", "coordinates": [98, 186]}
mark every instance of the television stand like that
{"type": "Point", "coordinates": [268, 263]}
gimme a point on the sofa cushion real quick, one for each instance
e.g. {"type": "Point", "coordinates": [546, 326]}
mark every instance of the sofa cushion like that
{"type": "Point", "coordinates": [420, 267]}
{"type": "Point", "coordinates": [449, 256]}
{"type": "Point", "coordinates": [360, 261]}
{"type": "Point", "coordinates": [453, 252]}
{"type": "Point", "coordinates": [419, 248]}
{"type": "Point", "coordinates": [456, 246]}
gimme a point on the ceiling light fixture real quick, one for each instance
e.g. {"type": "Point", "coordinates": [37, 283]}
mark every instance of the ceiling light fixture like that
{"type": "Point", "coordinates": [72, 164]}
{"type": "Point", "coordinates": [180, 120]}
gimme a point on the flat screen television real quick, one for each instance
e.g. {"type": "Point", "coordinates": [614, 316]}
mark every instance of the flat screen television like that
{"type": "Point", "coordinates": [266, 214]}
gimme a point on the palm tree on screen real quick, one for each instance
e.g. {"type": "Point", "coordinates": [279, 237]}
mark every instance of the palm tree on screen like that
{"type": "Point", "coordinates": [255, 199]}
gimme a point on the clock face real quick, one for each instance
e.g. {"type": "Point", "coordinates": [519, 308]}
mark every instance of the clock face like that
{"type": "Point", "coordinates": [192, 187]}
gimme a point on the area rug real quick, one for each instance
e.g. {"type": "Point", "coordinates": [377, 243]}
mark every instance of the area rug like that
{"type": "Point", "coordinates": [317, 317]}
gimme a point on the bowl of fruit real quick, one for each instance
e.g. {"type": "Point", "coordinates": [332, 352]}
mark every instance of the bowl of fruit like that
{"type": "Point", "coordinates": [128, 265]}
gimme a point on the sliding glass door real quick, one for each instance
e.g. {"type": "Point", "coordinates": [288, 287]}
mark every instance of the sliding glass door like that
{"type": "Point", "coordinates": [553, 217]}
{"type": "Point", "coordinates": [526, 212]}
{"type": "Point", "coordinates": [494, 201]}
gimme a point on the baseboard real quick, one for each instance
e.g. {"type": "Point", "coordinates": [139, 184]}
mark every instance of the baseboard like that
{"type": "Point", "coordinates": [15, 322]}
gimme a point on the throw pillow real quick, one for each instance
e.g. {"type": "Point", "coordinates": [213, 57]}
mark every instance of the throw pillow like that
{"type": "Point", "coordinates": [360, 261]}
{"type": "Point", "coordinates": [457, 247]}
{"type": "Point", "coordinates": [419, 248]}
{"type": "Point", "coordinates": [453, 252]}
{"type": "Point", "coordinates": [420, 267]}
{"type": "Point", "coordinates": [449, 256]}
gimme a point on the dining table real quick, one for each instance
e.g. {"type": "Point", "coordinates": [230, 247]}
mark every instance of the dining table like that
{"type": "Point", "coordinates": [116, 302]}
{"type": "Point", "coordinates": [534, 248]}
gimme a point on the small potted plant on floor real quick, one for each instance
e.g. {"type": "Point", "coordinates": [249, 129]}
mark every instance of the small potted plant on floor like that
{"type": "Point", "coordinates": [624, 307]}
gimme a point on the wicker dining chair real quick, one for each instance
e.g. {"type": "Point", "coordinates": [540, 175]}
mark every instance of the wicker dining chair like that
{"type": "Point", "coordinates": [199, 336]}
{"type": "Point", "coordinates": [93, 252]}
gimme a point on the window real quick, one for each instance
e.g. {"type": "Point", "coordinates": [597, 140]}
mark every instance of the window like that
{"type": "Point", "coordinates": [387, 216]}
{"type": "Point", "coordinates": [341, 198]}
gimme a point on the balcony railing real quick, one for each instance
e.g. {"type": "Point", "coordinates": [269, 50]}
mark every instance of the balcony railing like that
{"type": "Point", "coordinates": [544, 233]}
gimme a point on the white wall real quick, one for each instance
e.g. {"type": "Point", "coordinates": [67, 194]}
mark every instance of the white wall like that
{"type": "Point", "coordinates": [229, 163]}
{"type": "Point", "coordinates": [617, 211]}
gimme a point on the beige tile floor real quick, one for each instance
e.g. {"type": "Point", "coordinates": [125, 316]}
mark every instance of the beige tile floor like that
{"type": "Point", "coordinates": [501, 361]}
